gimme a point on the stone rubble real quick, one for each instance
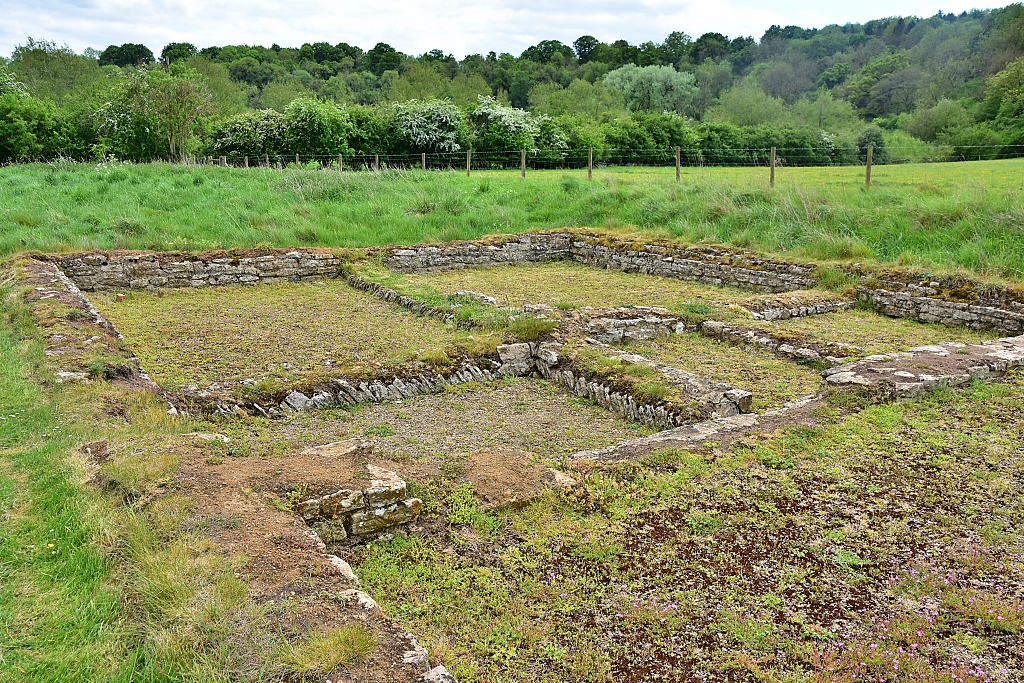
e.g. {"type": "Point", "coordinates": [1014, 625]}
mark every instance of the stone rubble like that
{"type": "Point", "coordinates": [350, 516]}
{"type": "Point", "coordinates": [638, 323]}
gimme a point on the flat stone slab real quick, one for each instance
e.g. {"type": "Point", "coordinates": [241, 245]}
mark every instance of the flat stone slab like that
{"type": "Point", "coordinates": [722, 431]}
{"type": "Point", "coordinates": [912, 373]}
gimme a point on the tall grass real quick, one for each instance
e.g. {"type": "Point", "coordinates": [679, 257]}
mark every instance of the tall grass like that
{"type": "Point", "coordinates": [955, 215]}
{"type": "Point", "coordinates": [90, 589]}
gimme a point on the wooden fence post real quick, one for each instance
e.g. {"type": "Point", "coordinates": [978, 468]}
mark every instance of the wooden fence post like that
{"type": "Point", "coordinates": [340, 166]}
{"type": "Point", "coordinates": [224, 162]}
{"type": "Point", "coordinates": [469, 160]}
{"type": "Point", "coordinates": [376, 163]}
{"type": "Point", "coordinates": [771, 171]}
{"type": "Point", "coordinates": [247, 161]}
{"type": "Point", "coordinates": [423, 161]}
{"type": "Point", "coordinates": [266, 160]}
{"type": "Point", "coordinates": [678, 172]}
{"type": "Point", "coordinates": [296, 160]}
{"type": "Point", "coordinates": [522, 164]}
{"type": "Point", "coordinates": [867, 167]}
{"type": "Point", "coordinates": [590, 163]}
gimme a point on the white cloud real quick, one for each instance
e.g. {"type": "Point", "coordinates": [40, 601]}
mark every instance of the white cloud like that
{"type": "Point", "coordinates": [454, 26]}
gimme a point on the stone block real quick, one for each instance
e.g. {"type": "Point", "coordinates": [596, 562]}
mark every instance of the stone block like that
{"type": "Point", "coordinates": [331, 531]}
{"type": "Point", "coordinates": [358, 446]}
{"type": "Point", "coordinates": [308, 509]}
{"type": "Point", "coordinates": [514, 352]}
{"type": "Point", "coordinates": [374, 519]}
{"type": "Point", "coordinates": [385, 487]}
{"type": "Point", "coordinates": [341, 503]}
{"type": "Point", "coordinates": [295, 402]}
{"type": "Point", "coordinates": [743, 399]}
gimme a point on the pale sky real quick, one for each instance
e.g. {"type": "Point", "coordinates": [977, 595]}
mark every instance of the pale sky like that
{"type": "Point", "coordinates": [458, 27]}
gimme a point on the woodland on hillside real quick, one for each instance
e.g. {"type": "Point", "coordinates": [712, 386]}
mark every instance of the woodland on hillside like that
{"type": "Point", "coordinates": [902, 83]}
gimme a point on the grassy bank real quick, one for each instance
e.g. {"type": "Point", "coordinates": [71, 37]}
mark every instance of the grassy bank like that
{"type": "Point", "coordinates": [964, 215]}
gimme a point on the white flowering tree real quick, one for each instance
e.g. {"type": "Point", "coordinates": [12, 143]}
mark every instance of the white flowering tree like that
{"type": "Point", "coordinates": [431, 126]}
{"type": "Point", "coordinates": [499, 128]}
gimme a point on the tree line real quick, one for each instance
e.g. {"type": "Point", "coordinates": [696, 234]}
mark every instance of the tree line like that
{"type": "Point", "coordinates": [901, 82]}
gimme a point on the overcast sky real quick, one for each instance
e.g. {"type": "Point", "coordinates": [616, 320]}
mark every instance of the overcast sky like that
{"type": "Point", "coordinates": [459, 27]}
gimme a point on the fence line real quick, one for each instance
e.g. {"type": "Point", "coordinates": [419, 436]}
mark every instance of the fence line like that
{"type": "Point", "coordinates": [565, 159]}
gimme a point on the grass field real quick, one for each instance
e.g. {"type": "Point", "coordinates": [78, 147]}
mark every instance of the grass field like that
{"type": "Point", "coordinates": [952, 216]}
{"type": "Point", "coordinates": [561, 285]}
{"type": "Point", "coordinates": [281, 332]}
{"type": "Point", "coordinates": [864, 541]}
{"type": "Point", "coordinates": [870, 331]}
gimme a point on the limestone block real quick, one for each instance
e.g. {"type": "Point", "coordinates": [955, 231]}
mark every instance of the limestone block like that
{"type": "Point", "coordinates": [385, 488]}
{"type": "Point", "coordinates": [331, 531]}
{"type": "Point", "coordinates": [374, 519]}
{"type": "Point", "coordinates": [741, 398]}
{"type": "Point", "coordinates": [295, 402]}
{"type": "Point", "coordinates": [337, 449]}
{"type": "Point", "coordinates": [514, 352]}
{"type": "Point", "coordinates": [341, 503]}
{"type": "Point", "coordinates": [308, 509]}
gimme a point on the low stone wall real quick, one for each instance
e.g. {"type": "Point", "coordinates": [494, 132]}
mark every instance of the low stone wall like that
{"type": "Point", "coordinates": [802, 311]}
{"type": "Point", "coordinates": [695, 266]}
{"type": "Point", "coordinates": [709, 266]}
{"type": "Point", "coordinates": [527, 248]}
{"type": "Point", "coordinates": [340, 392]}
{"type": "Point", "coordinates": [953, 314]}
{"type": "Point", "coordinates": [390, 295]}
{"type": "Point", "coordinates": [544, 360]}
{"type": "Point", "coordinates": [114, 271]}
{"type": "Point", "coordinates": [721, 331]}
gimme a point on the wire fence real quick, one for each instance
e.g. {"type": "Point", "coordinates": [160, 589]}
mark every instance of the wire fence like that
{"type": "Point", "coordinates": [568, 159]}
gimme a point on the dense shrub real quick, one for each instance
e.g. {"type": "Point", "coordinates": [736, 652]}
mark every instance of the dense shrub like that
{"type": "Point", "coordinates": [497, 127]}
{"type": "Point", "coordinates": [432, 126]}
{"type": "Point", "coordinates": [27, 127]}
{"type": "Point", "coordinates": [315, 127]}
{"type": "Point", "coordinates": [254, 134]}
{"type": "Point", "coordinates": [873, 136]}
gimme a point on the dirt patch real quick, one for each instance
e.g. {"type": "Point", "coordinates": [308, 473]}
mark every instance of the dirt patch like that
{"type": "Point", "coordinates": [504, 477]}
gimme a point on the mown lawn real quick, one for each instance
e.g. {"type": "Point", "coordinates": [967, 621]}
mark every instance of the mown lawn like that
{"type": "Point", "coordinates": [957, 215]}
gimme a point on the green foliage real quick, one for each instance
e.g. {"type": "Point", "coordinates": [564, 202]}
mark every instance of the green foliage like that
{"type": "Point", "coordinates": [747, 105]}
{"type": "Point", "coordinates": [938, 123]}
{"type": "Point", "coordinates": [174, 52]}
{"type": "Point", "coordinates": [873, 136]}
{"type": "Point", "coordinates": [863, 83]}
{"type": "Point", "coordinates": [9, 85]}
{"type": "Point", "coordinates": [316, 127]}
{"type": "Point", "coordinates": [1004, 92]}
{"type": "Point", "coordinates": [128, 54]}
{"type": "Point", "coordinates": [27, 126]}
{"type": "Point", "coordinates": [254, 134]}
{"type": "Point", "coordinates": [653, 88]}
